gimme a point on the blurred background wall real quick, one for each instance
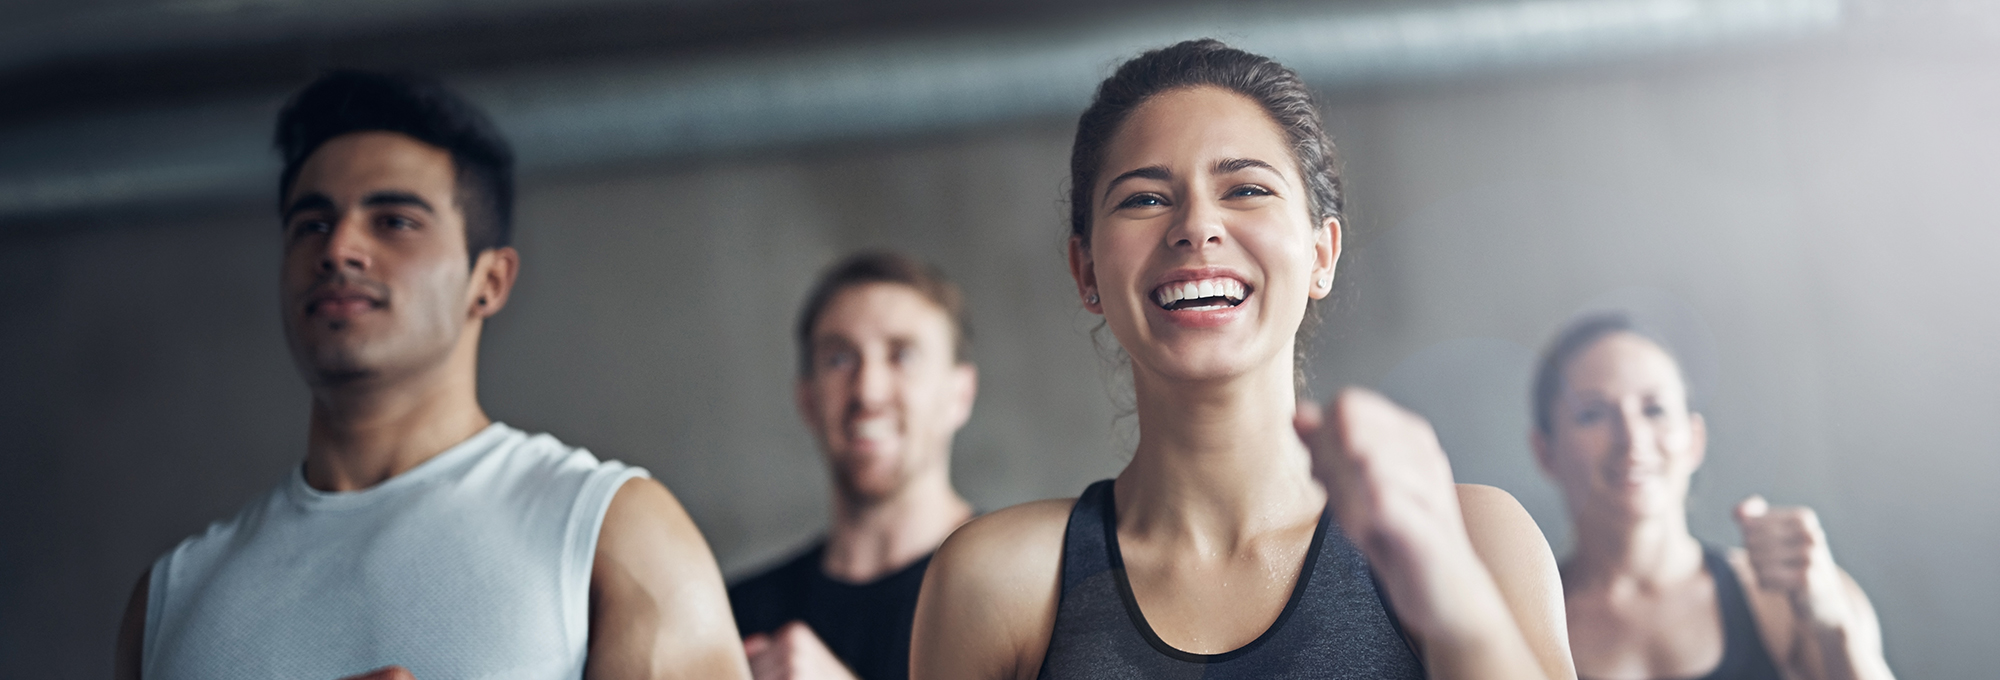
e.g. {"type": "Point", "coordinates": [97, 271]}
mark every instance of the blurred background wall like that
{"type": "Point", "coordinates": [1797, 191]}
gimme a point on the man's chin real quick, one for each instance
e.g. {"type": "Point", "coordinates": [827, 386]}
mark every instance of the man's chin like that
{"type": "Point", "coordinates": [335, 367]}
{"type": "Point", "coordinates": [871, 482]}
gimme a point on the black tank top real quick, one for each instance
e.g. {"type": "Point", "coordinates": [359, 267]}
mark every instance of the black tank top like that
{"type": "Point", "coordinates": [1336, 624]}
{"type": "Point", "coordinates": [1743, 653]}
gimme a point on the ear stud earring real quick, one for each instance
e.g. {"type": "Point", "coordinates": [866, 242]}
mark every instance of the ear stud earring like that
{"type": "Point", "coordinates": [1090, 299]}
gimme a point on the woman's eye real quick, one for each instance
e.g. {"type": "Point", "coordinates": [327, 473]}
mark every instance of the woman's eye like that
{"type": "Point", "coordinates": [1589, 416]}
{"type": "Point", "coordinates": [1142, 201]}
{"type": "Point", "coordinates": [1249, 190]}
{"type": "Point", "coordinates": [1654, 411]}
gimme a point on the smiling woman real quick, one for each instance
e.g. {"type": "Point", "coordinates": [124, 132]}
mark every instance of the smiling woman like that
{"type": "Point", "coordinates": [1205, 220]}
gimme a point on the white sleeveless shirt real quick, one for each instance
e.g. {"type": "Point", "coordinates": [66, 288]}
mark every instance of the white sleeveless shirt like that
{"type": "Point", "coordinates": [474, 564]}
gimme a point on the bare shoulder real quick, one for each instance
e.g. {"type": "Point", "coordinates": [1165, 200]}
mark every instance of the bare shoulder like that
{"type": "Point", "coordinates": [1005, 555]}
{"type": "Point", "coordinates": [1515, 552]}
{"type": "Point", "coordinates": [1010, 532]}
{"type": "Point", "coordinates": [989, 596]}
{"type": "Point", "coordinates": [1492, 516]}
{"type": "Point", "coordinates": [645, 516]}
{"type": "Point", "coordinates": [644, 500]}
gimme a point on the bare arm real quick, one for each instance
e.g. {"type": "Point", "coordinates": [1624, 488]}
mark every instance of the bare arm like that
{"type": "Point", "coordinates": [132, 631]}
{"type": "Point", "coordinates": [1514, 550]}
{"type": "Point", "coordinates": [657, 608]}
{"type": "Point", "coordinates": [989, 599]}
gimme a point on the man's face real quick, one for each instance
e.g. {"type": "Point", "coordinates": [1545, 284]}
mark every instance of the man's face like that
{"type": "Point", "coordinates": [375, 278]}
{"type": "Point", "coordinates": [884, 393]}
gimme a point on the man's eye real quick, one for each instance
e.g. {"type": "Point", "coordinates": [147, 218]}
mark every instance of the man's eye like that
{"type": "Point", "coordinates": [837, 360]}
{"type": "Point", "coordinates": [1654, 411]}
{"type": "Point", "coordinates": [312, 227]}
{"type": "Point", "coordinates": [1589, 416]}
{"type": "Point", "coordinates": [1143, 201]}
{"type": "Point", "coordinates": [398, 222]}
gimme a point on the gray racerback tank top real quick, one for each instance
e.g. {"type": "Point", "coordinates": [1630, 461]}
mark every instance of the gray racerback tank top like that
{"type": "Point", "coordinates": [1336, 624]}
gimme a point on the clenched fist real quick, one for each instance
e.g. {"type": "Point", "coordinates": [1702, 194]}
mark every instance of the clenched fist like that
{"type": "Point", "coordinates": [1789, 555]}
{"type": "Point", "coordinates": [792, 651]}
{"type": "Point", "coordinates": [1391, 488]}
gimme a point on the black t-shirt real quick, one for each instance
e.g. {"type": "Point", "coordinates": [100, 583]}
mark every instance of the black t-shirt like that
{"type": "Point", "coordinates": [866, 625]}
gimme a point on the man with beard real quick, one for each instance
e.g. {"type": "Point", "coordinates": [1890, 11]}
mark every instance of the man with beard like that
{"type": "Point", "coordinates": [420, 538]}
{"type": "Point", "coordinates": [885, 381]}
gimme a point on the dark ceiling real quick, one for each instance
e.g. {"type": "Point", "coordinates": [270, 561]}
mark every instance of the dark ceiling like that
{"type": "Point", "coordinates": [70, 57]}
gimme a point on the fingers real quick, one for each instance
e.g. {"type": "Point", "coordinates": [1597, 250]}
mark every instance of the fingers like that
{"type": "Point", "coordinates": [1751, 508]}
{"type": "Point", "coordinates": [755, 644]}
{"type": "Point", "coordinates": [1785, 544]}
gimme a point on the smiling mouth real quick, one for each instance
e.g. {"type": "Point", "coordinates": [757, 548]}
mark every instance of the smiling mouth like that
{"type": "Point", "coordinates": [1200, 294]}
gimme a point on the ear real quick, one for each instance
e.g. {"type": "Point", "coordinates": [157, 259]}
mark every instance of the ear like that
{"type": "Point", "coordinates": [1326, 253]}
{"type": "Point", "coordinates": [1698, 433]}
{"type": "Point", "coordinates": [1544, 457]}
{"type": "Point", "coordinates": [1084, 270]}
{"type": "Point", "coordinates": [493, 276]}
{"type": "Point", "coordinates": [964, 390]}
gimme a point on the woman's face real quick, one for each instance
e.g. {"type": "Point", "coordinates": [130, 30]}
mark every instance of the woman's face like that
{"type": "Point", "coordinates": [1623, 443]}
{"type": "Point", "coordinates": [1202, 252]}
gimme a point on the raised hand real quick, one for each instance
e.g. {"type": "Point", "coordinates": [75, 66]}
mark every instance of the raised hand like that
{"type": "Point", "coordinates": [1391, 488]}
{"type": "Point", "coordinates": [792, 651]}
{"type": "Point", "coordinates": [1788, 553]}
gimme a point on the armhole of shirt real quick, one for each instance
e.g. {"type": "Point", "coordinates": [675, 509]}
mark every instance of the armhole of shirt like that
{"type": "Point", "coordinates": [157, 579]}
{"type": "Point", "coordinates": [586, 521]}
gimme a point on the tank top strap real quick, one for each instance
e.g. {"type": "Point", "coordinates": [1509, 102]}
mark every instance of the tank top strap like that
{"type": "Point", "coordinates": [1086, 553]}
{"type": "Point", "coordinates": [1743, 654]}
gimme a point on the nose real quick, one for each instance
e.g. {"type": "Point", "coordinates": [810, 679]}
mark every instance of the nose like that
{"type": "Point", "coordinates": [1632, 435]}
{"type": "Point", "coordinates": [347, 246]}
{"type": "Point", "coordinates": [874, 384]}
{"type": "Point", "coordinates": [1198, 225]}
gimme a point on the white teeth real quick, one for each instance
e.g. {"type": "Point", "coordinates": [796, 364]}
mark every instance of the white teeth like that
{"type": "Point", "coordinates": [875, 429]}
{"type": "Point", "coordinates": [1194, 290]}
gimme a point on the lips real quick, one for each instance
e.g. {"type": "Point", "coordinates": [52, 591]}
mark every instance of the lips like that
{"type": "Point", "coordinates": [342, 302]}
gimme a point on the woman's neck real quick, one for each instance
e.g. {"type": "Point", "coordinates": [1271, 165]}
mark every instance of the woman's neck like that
{"type": "Point", "coordinates": [1218, 458]}
{"type": "Point", "coordinates": [1649, 550]}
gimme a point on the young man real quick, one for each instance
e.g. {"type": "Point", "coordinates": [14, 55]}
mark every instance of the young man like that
{"type": "Point", "coordinates": [418, 534]}
{"type": "Point", "coordinates": [885, 381]}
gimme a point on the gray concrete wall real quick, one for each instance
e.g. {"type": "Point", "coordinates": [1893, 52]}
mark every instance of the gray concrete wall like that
{"type": "Point", "coordinates": [1812, 223]}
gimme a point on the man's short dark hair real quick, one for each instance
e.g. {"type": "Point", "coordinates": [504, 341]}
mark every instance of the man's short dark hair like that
{"type": "Point", "coordinates": [342, 102]}
{"type": "Point", "coordinates": [884, 267]}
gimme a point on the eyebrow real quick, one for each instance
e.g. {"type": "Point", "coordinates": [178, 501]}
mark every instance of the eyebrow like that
{"type": "Point", "coordinates": [1229, 165]}
{"type": "Point", "coordinates": [319, 201]}
{"type": "Point", "coordinates": [381, 198]}
{"type": "Point", "coordinates": [312, 201]}
{"type": "Point", "coordinates": [1158, 172]}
